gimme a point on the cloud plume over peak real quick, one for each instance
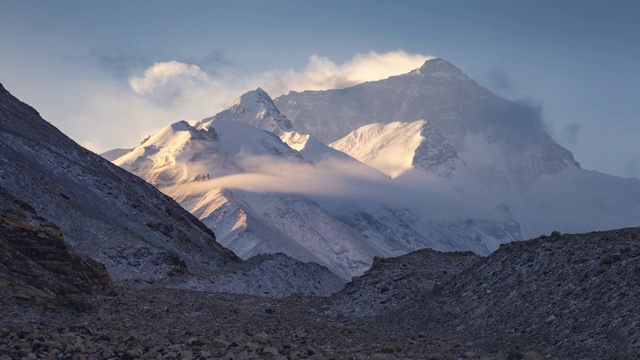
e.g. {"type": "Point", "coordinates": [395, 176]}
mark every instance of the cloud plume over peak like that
{"type": "Point", "coordinates": [167, 80]}
{"type": "Point", "coordinates": [173, 90]}
{"type": "Point", "coordinates": [321, 73]}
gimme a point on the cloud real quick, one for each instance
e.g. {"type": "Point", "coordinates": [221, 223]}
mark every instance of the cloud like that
{"type": "Point", "coordinates": [500, 82]}
{"type": "Point", "coordinates": [334, 180]}
{"type": "Point", "coordinates": [166, 81]}
{"type": "Point", "coordinates": [118, 112]}
{"type": "Point", "coordinates": [322, 73]}
{"type": "Point", "coordinates": [570, 132]}
{"type": "Point", "coordinates": [631, 167]}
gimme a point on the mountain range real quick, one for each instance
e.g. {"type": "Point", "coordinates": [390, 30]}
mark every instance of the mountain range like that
{"type": "Point", "coordinates": [427, 159]}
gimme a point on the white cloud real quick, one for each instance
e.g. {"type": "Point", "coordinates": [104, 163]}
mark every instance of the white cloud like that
{"type": "Point", "coordinates": [121, 114]}
{"type": "Point", "coordinates": [322, 73]}
{"type": "Point", "coordinates": [328, 180]}
{"type": "Point", "coordinates": [167, 81]}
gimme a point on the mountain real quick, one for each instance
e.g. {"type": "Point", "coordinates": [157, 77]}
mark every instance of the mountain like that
{"type": "Point", "coordinates": [115, 218]}
{"type": "Point", "coordinates": [454, 108]}
{"type": "Point", "coordinates": [205, 167]}
{"type": "Point", "coordinates": [254, 108]}
{"type": "Point", "coordinates": [104, 212]}
{"type": "Point", "coordinates": [316, 204]}
{"type": "Point", "coordinates": [439, 127]}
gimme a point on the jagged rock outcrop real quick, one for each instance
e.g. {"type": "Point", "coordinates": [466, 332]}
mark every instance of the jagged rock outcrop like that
{"type": "Point", "coordinates": [37, 267]}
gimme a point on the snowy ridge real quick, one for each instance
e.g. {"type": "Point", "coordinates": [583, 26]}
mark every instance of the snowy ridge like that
{"type": "Point", "coordinates": [311, 148]}
{"type": "Point", "coordinates": [259, 223]}
{"type": "Point", "coordinates": [388, 148]}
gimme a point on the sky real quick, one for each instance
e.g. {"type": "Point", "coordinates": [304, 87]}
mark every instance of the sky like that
{"type": "Point", "coordinates": [110, 73]}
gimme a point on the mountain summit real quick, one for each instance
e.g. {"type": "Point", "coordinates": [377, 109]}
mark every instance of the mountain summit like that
{"type": "Point", "coordinates": [255, 108]}
{"type": "Point", "coordinates": [439, 68]}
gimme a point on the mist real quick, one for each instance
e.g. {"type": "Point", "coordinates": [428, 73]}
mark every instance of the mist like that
{"type": "Point", "coordinates": [340, 185]}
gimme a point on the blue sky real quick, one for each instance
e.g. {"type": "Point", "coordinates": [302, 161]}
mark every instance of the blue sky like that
{"type": "Point", "coordinates": [75, 60]}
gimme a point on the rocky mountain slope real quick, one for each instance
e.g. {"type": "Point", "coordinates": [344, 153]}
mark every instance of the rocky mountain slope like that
{"type": "Point", "coordinates": [570, 296]}
{"type": "Point", "coordinates": [112, 216]}
{"type": "Point", "coordinates": [37, 267]}
{"type": "Point", "coordinates": [394, 283]}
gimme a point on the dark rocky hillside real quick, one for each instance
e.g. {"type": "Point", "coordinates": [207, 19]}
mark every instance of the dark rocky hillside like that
{"type": "Point", "coordinates": [392, 283]}
{"type": "Point", "coordinates": [37, 267]}
{"type": "Point", "coordinates": [568, 296]}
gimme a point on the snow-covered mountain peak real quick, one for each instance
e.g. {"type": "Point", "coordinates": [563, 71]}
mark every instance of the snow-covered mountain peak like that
{"type": "Point", "coordinates": [255, 108]}
{"type": "Point", "coordinates": [439, 68]}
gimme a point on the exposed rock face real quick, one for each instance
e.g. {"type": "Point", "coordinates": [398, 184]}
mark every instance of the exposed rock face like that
{"type": "Point", "coordinates": [36, 266]}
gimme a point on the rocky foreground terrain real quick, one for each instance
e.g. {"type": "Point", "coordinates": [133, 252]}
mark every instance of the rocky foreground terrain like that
{"type": "Point", "coordinates": [558, 297]}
